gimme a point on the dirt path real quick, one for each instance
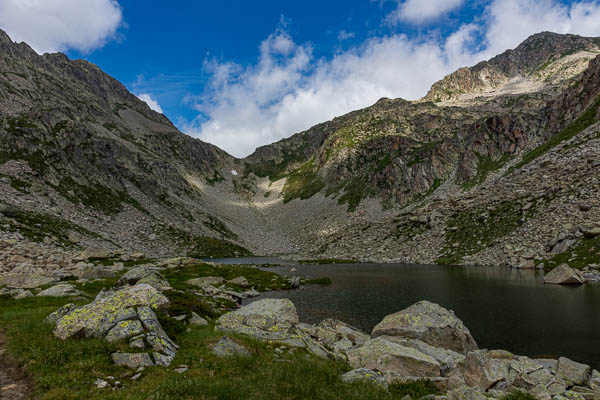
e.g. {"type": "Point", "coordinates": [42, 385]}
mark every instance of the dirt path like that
{"type": "Point", "coordinates": [14, 384]}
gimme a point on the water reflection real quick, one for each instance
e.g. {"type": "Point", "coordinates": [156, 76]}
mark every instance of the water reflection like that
{"type": "Point", "coordinates": [504, 308]}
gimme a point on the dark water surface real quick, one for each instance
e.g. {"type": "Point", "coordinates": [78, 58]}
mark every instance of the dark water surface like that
{"type": "Point", "coordinates": [503, 308]}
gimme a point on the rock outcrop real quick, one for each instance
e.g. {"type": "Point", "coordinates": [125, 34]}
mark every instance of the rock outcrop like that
{"type": "Point", "coordinates": [429, 323]}
{"type": "Point", "coordinates": [127, 314]}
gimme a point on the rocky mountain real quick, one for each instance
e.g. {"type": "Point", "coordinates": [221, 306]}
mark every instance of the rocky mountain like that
{"type": "Point", "coordinates": [493, 166]}
{"type": "Point", "coordinates": [86, 160]}
{"type": "Point", "coordinates": [414, 174]}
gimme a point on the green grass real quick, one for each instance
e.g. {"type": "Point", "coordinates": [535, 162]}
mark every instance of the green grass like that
{"type": "Point", "coordinates": [205, 247]}
{"type": "Point", "coordinates": [355, 191]}
{"type": "Point", "coordinates": [580, 255]}
{"type": "Point", "coordinates": [518, 395]}
{"type": "Point", "coordinates": [67, 369]}
{"type": "Point", "coordinates": [415, 390]}
{"type": "Point", "coordinates": [320, 261]}
{"type": "Point", "coordinates": [98, 197]}
{"type": "Point", "coordinates": [409, 230]}
{"type": "Point", "coordinates": [36, 226]}
{"type": "Point", "coordinates": [585, 120]}
{"type": "Point", "coordinates": [215, 178]}
{"type": "Point", "coordinates": [259, 279]}
{"type": "Point", "coordinates": [302, 183]}
{"type": "Point", "coordinates": [319, 281]}
{"type": "Point", "coordinates": [218, 226]}
{"type": "Point", "coordinates": [485, 166]}
{"type": "Point", "coordinates": [471, 231]}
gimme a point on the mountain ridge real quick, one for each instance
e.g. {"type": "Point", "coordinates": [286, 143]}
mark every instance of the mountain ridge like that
{"type": "Point", "coordinates": [77, 146]}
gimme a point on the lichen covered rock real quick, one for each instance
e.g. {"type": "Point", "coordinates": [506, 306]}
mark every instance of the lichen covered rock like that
{"type": "Point", "coordinates": [97, 318]}
{"type": "Point", "coordinates": [429, 323]}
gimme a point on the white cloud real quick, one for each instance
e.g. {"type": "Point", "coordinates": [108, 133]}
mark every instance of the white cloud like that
{"type": "Point", "coordinates": [152, 103]}
{"type": "Point", "coordinates": [59, 25]}
{"type": "Point", "coordinates": [288, 90]}
{"type": "Point", "coordinates": [344, 35]}
{"type": "Point", "coordinates": [420, 11]}
{"type": "Point", "coordinates": [511, 21]}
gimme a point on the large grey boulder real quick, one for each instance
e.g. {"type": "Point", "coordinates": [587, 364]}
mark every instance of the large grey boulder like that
{"type": "Point", "coordinates": [267, 319]}
{"type": "Point", "coordinates": [564, 275]}
{"type": "Point", "coordinates": [206, 281]}
{"type": "Point", "coordinates": [240, 281]}
{"type": "Point", "coordinates": [132, 360]}
{"type": "Point", "coordinates": [97, 318]}
{"type": "Point", "coordinates": [227, 347]}
{"type": "Point", "coordinates": [25, 280]}
{"type": "Point", "coordinates": [481, 371]}
{"type": "Point", "coordinates": [574, 372]}
{"type": "Point", "coordinates": [383, 355]}
{"type": "Point", "coordinates": [364, 375]}
{"type": "Point", "coordinates": [448, 359]}
{"type": "Point", "coordinates": [60, 290]}
{"type": "Point", "coordinates": [429, 323]}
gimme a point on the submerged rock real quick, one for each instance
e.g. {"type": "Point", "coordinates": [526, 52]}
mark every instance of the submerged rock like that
{"type": "Point", "coordinates": [429, 323]}
{"type": "Point", "coordinates": [564, 275]}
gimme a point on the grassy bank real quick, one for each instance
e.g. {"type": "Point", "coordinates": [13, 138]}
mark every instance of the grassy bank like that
{"type": "Point", "coordinates": [68, 369]}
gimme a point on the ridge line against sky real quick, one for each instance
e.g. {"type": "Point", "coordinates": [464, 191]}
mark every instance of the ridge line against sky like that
{"type": "Point", "coordinates": [245, 78]}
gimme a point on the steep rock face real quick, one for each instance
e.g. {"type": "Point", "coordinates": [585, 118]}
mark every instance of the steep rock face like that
{"type": "Point", "coordinates": [77, 145]}
{"type": "Point", "coordinates": [403, 151]}
{"type": "Point", "coordinates": [456, 181]}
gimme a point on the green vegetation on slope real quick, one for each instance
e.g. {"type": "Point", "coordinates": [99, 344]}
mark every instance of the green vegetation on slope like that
{"type": "Point", "coordinates": [206, 246]}
{"type": "Point", "coordinates": [98, 197]}
{"type": "Point", "coordinates": [355, 191]}
{"type": "Point", "coordinates": [259, 279]}
{"type": "Point", "coordinates": [321, 261]}
{"type": "Point", "coordinates": [518, 395]}
{"type": "Point", "coordinates": [585, 120]}
{"type": "Point", "coordinates": [582, 254]}
{"type": "Point", "coordinates": [485, 166]}
{"type": "Point", "coordinates": [302, 183]}
{"type": "Point", "coordinates": [36, 226]}
{"type": "Point", "coordinates": [471, 231]}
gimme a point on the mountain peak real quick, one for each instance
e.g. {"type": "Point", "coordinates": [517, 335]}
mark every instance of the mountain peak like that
{"type": "Point", "coordinates": [524, 63]}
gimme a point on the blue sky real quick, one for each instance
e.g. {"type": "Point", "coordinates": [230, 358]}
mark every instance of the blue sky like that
{"type": "Point", "coordinates": [241, 74]}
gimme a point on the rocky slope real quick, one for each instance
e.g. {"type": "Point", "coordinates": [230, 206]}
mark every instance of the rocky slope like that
{"type": "Point", "coordinates": [493, 154]}
{"type": "Point", "coordinates": [84, 161]}
{"type": "Point", "coordinates": [462, 178]}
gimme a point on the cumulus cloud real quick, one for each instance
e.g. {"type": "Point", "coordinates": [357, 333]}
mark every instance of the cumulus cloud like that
{"type": "Point", "coordinates": [152, 103]}
{"type": "Point", "coordinates": [59, 25]}
{"type": "Point", "coordinates": [289, 90]}
{"type": "Point", "coordinates": [511, 21]}
{"type": "Point", "coordinates": [419, 11]}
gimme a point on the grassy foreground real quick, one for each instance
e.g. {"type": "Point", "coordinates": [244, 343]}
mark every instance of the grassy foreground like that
{"type": "Point", "coordinates": [67, 369]}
